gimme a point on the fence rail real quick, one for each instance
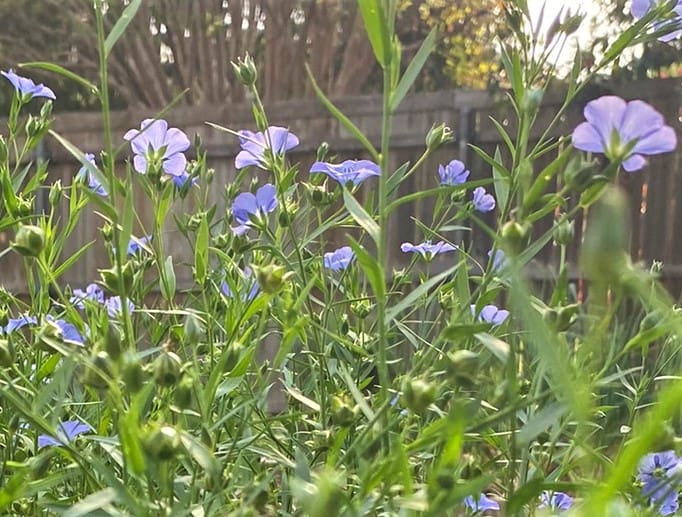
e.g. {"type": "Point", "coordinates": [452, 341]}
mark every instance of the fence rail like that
{"type": "Point", "coordinates": [655, 212]}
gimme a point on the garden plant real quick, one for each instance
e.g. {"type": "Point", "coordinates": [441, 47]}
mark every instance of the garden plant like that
{"type": "Point", "coordinates": [452, 390]}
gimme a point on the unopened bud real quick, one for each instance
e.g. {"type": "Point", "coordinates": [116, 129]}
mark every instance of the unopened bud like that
{"type": "Point", "coordinates": [418, 394]}
{"type": "Point", "coordinates": [343, 412]}
{"type": "Point", "coordinates": [55, 192]}
{"type": "Point", "coordinates": [272, 278]}
{"type": "Point", "coordinates": [6, 353]}
{"type": "Point", "coordinates": [193, 329]}
{"type": "Point", "coordinates": [563, 232]}
{"type": "Point", "coordinates": [322, 152]}
{"type": "Point", "coordinates": [29, 240]}
{"type": "Point", "coordinates": [162, 443]}
{"type": "Point", "coordinates": [132, 374]}
{"type": "Point", "coordinates": [515, 236]}
{"type": "Point", "coordinates": [167, 369]}
{"type": "Point", "coordinates": [245, 70]}
{"type": "Point", "coordinates": [437, 136]}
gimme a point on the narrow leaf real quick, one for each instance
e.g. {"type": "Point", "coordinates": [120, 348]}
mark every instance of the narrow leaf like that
{"type": "Point", "coordinates": [413, 69]}
{"type": "Point", "coordinates": [377, 29]}
{"type": "Point", "coordinates": [60, 70]}
{"type": "Point", "coordinates": [361, 216]}
{"type": "Point", "coordinates": [121, 24]}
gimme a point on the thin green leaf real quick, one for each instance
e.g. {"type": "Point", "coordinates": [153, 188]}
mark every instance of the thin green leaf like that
{"type": "Point", "coordinates": [121, 25]}
{"type": "Point", "coordinates": [423, 289]}
{"type": "Point", "coordinates": [361, 216]}
{"type": "Point", "coordinates": [60, 70]}
{"type": "Point", "coordinates": [371, 268]}
{"type": "Point", "coordinates": [413, 69]}
{"type": "Point", "coordinates": [377, 29]}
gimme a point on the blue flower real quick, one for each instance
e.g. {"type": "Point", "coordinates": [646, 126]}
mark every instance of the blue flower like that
{"type": "Point", "coordinates": [247, 206]}
{"type": "Point", "coordinates": [355, 171]}
{"type": "Point", "coordinates": [480, 504]}
{"type": "Point", "coordinates": [659, 474]}
{"type": "Point", "coordinates": [181, 180]}
{"type": "Point", "coordinates": [91, 292]}
{"type": "Point", "coordinates": [66, 432]}
{"type": "Point", "coordinates": [154, 142]}
{"type": "Point", "coordinates": [85, 174]}
{"type": "Point", "coordinates": [114, 306]}
{"type": "Point", "coordinates": [70, 332]}
{"type": "Point", "coordinates": [339, 259]}
{"type": "Point", "coordinates": [426, 249]}
{"type": "Point", "coordinates": [483, 202]}
{"type": "Point", "coordinates": [454, 173]}
{"type": "Point", "coordinates": [555, 501]}
{"type": "Point", "coordinates": [491, 314]}
{"type": "Point", "coordinates": [276, 139]}
{"type": "Point", "coordinates": [136, 244]}
{"type": "Point", "coordinates": [17, 323]}
{"type": "Point", "coordinates": [252, 286]}
{"type": "Point", "coordinates": [641, 7]}
{"type": "Point", "coordinates": [26, 87]}
{"type": "Point", "coordinates": [623, 131]}
{"type": "Point", "coordinates": [499, 260]}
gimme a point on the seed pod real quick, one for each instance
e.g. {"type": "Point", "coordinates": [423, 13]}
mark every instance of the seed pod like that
{"type": "Point", "coordinates": [167, 369]}
{"type": "Point", "coordinates": [162, 443]}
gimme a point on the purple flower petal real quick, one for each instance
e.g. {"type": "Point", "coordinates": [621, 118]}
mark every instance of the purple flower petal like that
{"type": "Point", "coordinates": [426, 249]}
{"type": "Point", "coordinates": [355, 171]}
{"type": "Point", "coordinates": [481, 504]}
{"type": "Point", "coordinates": [154, 141]}
{"type": "Point", "coordinates": [605, 114]}
{"type": "Point", "coordinates": [340, 259]}
{"type": "Point", "coordinates": [454, 173]}
{"type": "Point", "coordinates": [175, 165]}
{"type": "Point", "coordinates": [26, 86]}
{"type": "Point", "coordinates": [243, 206]}
{"type": "Point", "coordinates": [278, 139]}
{"type": "Point", "coordinates": [66, 432]}
{"type": "Point", "coordinates": [265, 198]}
{"type": "Point", "coordinates": [586, 138]}
{"type": "Point", "coordinates": [483, 202]}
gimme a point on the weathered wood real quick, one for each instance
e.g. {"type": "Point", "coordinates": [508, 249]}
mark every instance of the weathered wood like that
{"type": "Point", "coordinates": [655, 220]}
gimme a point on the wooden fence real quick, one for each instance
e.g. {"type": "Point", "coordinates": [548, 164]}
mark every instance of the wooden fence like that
{"type": "Point", "coordinates": [655, 212]}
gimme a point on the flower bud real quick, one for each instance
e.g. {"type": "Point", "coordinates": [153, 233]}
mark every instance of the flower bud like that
{"type": "Point", "coordinates": [50, 336]}
{"type": "Point", "coordinates": [318, 195]}
{"type": "Point", "coordinates": [55, 193]}
{"type": "Point", "coordinates": [24, 207]}
{"type": "Point", "coordinates": [162, 443]}
{"type": "Point", "coordinates": [234, 354]}
{"type": "Point", "coordinates": [578, 174]}
{"type": "Point", "coordinates": [343, 412]}
{"type": "Point", "coordinates": [29, 240]}
{"type": "Point", "coordinates": [99, 372]}
{"type": "Point", "coordinates": [3, 149]}
{"type": "Point", "coordinates": [563, 232]}
{"type": "Point", "coordinates": [437, 136]}
{"type": "Point", "coordinates": [193, 329]}
{"type": "Point", "coordinates": [324, 496]}
{"type": "Point", "coordinates": [6, 353]}
{"type": "Point", "coordinates": [463, 363]}
{"type": "Point", "coordinates": [272, 278]}
{"type": "Point", "coordinates": [118, 285]}
{"type": "Point", "coordinates": [566, 316]}
{"type": "Point", "coordinates": [132, 374]}
{"type": "Point", "coordinates": [183, 393]}
{"type": "Point", "coordinates": [361, 308]}
{"type": "Point", "coordinates": [167, 369]}
{"type": "Point", "coordinates": [35, 127]}
{"type": "Point", "coordinates": [287, 214]}
{"type": "Point", "coordinates": [515, 236]}
{"type": "Point", "coordinates": [245, 70]}
{"type": "Point", "coordinates": [4, 316]}
{"type": "Point", "coordinates": [107, 232]}
{"type": "Point", "coordinates": [112, 342]}
{"type": "Point", "coordinates": [322, 152]}
{"type": "Point", "coordinates": [418, 394]}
